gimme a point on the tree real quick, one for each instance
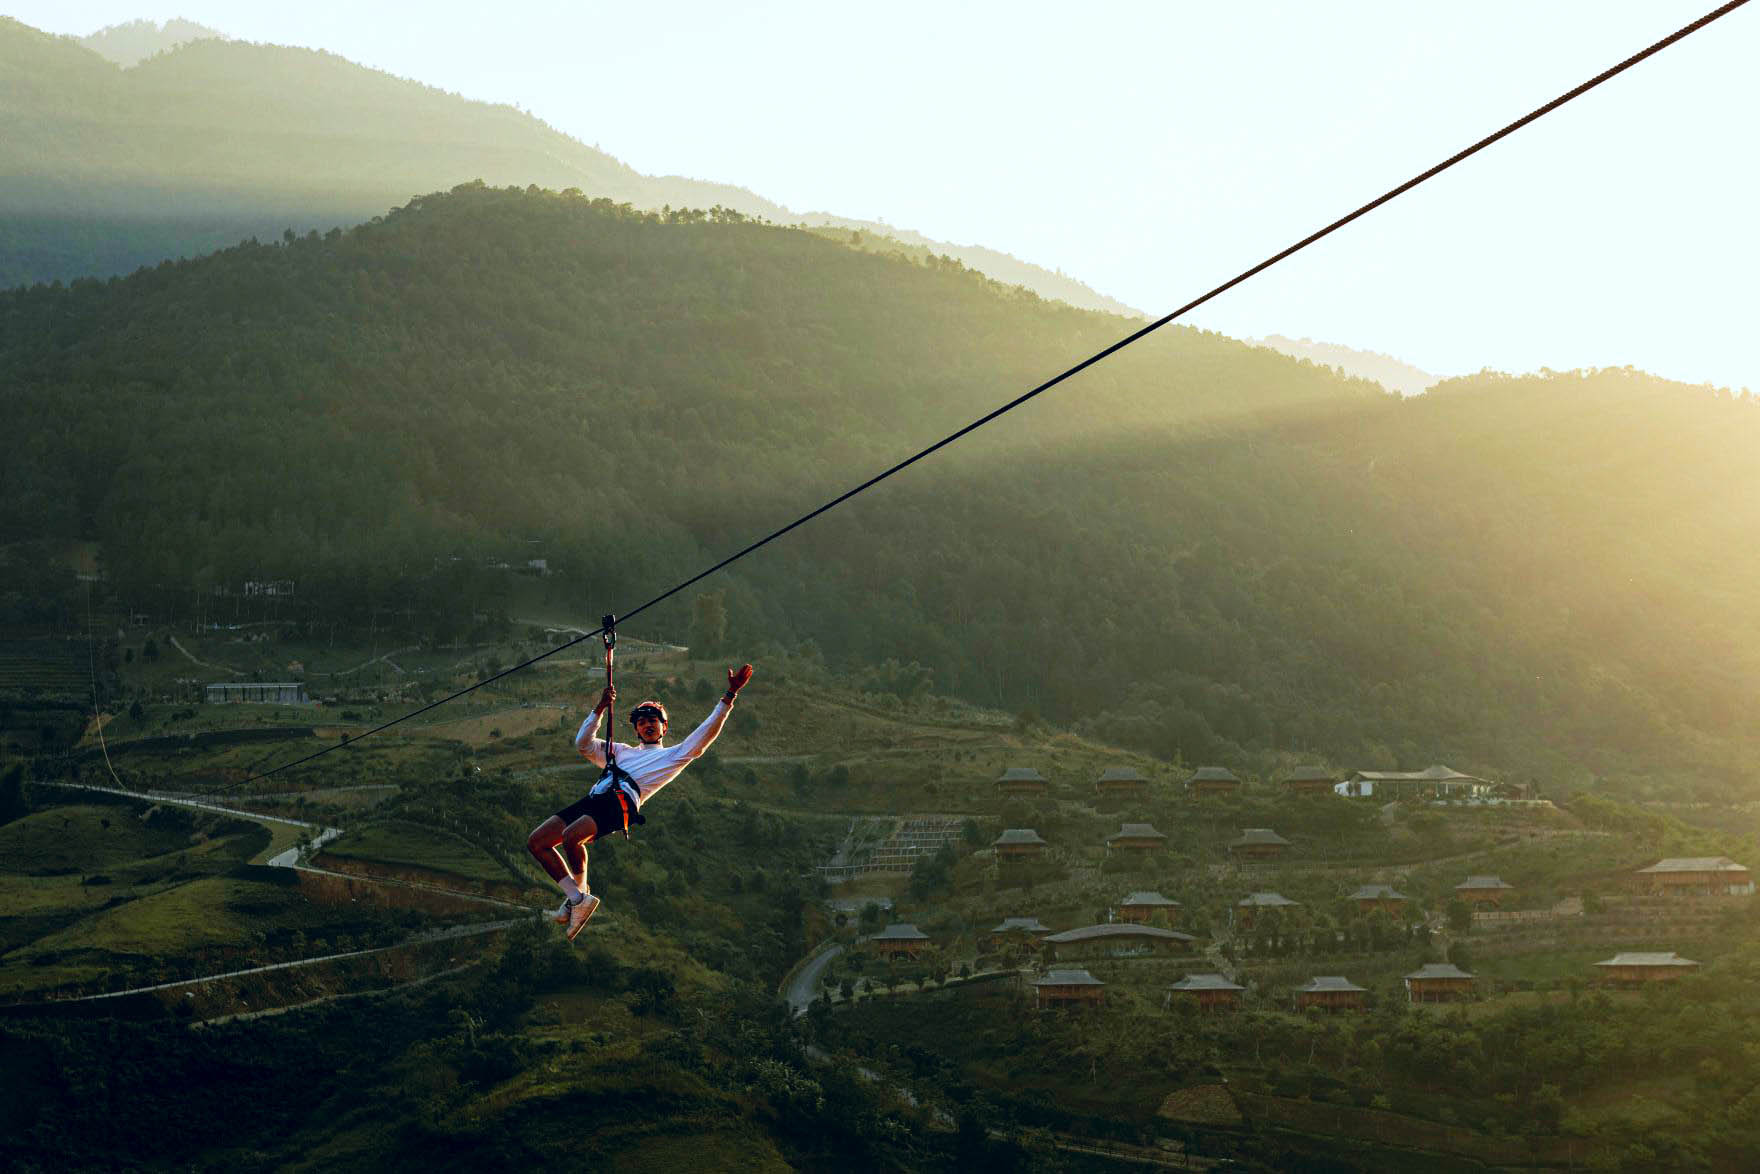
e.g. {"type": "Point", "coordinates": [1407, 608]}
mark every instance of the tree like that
{"type": "Point", "coordinates": [708, 623]}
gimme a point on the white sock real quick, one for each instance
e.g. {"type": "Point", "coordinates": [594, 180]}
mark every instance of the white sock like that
{"type": "Point", "coordinates": [571, 889]}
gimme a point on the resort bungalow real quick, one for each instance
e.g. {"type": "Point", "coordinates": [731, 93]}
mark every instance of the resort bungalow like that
{"type": "Point", "coordinates": [1137, 838]}
{"type": "Point", "coordinates": [1019, 930]}
{"type": "Point", "coordinates": [1330, 992]}
{"type": "Point", "coordinates": [1372, 897]}
{"type": "Point", "coordinates": [1634, 970]}
{"type": "Point", "coordinates": [1122, 782]}
{"type": "Point", "coordinates": [1212, 780]}
{"type": "Point", "coordinates": [1248, 909]}
{"type": "Point", "coordinates": [1697, 876]}
{"type": "Point", "coordinates": [1068, 988]}
{"type": "Point", "coordinates": [1258, 844]}
{"type": "Point", "coordinates": [1142, 907]}
{"type": "Point", "coordinates": [1433, 782]}
{"type": "Point", "coordinates": [1310, 780]}
{"type": "Point", "coordinates": [1019, 844]}
{"type": "Point", "coordinates": [1439, 982]}
{"type": "Point", "coordinates": [1016, 931]}
{"type": "Point", "coordinates": [1483, 890]}
{"type": "Point", "coordinates": [1022, 780]}
{"type": "Point", "coordinates": [1119, 939]}
{"type": "Point", "coordinates": [1211, 992]}
{"type": "Point", "coordinates": [899, 943]}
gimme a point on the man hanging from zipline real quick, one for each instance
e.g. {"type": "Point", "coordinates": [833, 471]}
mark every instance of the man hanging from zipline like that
{"type": "Point", "coordinates": [631, 775]}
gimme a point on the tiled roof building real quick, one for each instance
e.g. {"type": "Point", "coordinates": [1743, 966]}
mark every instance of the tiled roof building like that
{"type": "Point", "coordinates": [1211, 992]}
{"type": "Point", "coordinates": [1067, 988]}
{"type": "Point", "coordinates": [1697, 875]}
{"type": "Point", "coordinates": [1022, 780]}
{"type": "Point", "coordinates": [1439, 982]}
{"type": "Point", "coordinates": [1331, 992]}
{"type": "Point", "coordinates": [1122, 782]}
{"type": "Point", "coordinates": [1213, 780]}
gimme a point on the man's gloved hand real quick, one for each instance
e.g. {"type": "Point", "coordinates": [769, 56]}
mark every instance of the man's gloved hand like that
{"type": "Point", "coordinates": [737, 678]}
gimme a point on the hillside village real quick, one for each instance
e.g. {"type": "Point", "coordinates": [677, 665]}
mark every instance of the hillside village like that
{"type": "Point", "coordinates": [1139, 935]}
{"type": "Point", "coordinates": [888, 868]}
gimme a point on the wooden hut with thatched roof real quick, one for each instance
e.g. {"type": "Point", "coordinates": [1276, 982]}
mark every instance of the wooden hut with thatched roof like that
{"type": "Point", "coordinates": [1022, 780]}
{"type": "Point", "coordinates": [1701, 876]}
{"type": "Point", "coordinates": [1017, 929]}
{"type": "Point", "coordinates": [1136, 838]}
{"type": "Point", "coordinates": [1439, 982]}
{"type": "Point", "coordinates": [1019, 844]}
{"type": "Point", "coordinates": [1212, 780]}
{"type": "Point", "coordinates": [1331, 992]}
{"type": "Point", "coordinates": [1141, 907]}
{"type": "Point", "coordinates": [1369, 898]}
{"type": "Point", "coordinates": [1211, 992]}
{"type": "Point", "coordinates": [1258, 844]}
{"type": "Point", "coordinates": [1483, 890]}
{"type": "Point", "coordinates": [1122, 782]}
{"type": "Point", "coordinates": [901, 942]}
{"type": "Point", "coordinates": [1636, 970]}
{"type": "Point", "coordinates": [1067, 988]}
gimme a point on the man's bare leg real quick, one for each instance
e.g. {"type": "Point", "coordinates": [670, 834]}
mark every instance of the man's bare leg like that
{"type": "Point", "coordinates": [561, 851]}
{"type": "Point", "coordinates": [542, 845]}
{"type": "Point", "coordinates": [572, 849]}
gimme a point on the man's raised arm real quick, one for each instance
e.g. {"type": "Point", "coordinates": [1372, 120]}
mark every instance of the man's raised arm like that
{"type": "Point", "coordinates": [586, 739]}
{"type": "Point", "coordinates": [699, 739]}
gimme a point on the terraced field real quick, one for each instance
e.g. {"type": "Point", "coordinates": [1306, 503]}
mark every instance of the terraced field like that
{"type": "Point", "coordinates": [44, 668]}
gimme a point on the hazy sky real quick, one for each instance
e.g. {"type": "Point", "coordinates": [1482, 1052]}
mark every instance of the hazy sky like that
{"type": "Point", "coordinates": [1153, 149]}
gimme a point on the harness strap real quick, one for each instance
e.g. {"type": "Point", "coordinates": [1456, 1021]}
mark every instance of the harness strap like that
{"type": "Point", "coordinates": [628, 796]}
{"type": "Point", "coordinates": [608, 634]}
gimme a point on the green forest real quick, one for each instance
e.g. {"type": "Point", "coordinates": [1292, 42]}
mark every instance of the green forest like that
{"type": "Point", "coordinates": [1199, 549]}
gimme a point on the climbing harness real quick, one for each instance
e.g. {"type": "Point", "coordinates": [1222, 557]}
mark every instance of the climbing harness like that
{"type": "Point", "coordinates": [616, 781]}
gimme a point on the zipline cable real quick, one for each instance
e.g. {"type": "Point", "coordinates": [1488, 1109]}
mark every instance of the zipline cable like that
{"type": "Point", "coordinates": [1134, 336]}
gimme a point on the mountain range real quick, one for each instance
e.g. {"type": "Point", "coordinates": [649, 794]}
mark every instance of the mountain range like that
{"type": "Point", "coordinates": [1199, 548]}
{"type": "Point", "coordinates": [144, 142]}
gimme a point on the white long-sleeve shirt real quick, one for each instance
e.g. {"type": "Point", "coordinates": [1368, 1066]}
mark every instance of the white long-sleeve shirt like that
{"type": "Point", "coordinates": [652, 767]}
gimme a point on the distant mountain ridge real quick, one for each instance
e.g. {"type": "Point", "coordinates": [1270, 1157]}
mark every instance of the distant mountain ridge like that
{"type": "Point", "coordinates": [1391, 373]}
{"type": "Point", "coordinates": [134, 41]}
{"type": "Point", "coordinates": [204, 141]}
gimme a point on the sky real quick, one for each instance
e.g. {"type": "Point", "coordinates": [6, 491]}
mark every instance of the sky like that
{"type": "Point", "coordinates": [1154, 148]}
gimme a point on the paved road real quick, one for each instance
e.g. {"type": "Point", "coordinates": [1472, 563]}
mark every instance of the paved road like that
{"type": "Point", "coordinates": [805, 986]}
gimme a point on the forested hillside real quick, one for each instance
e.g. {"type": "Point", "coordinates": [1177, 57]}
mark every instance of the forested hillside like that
{"type": "Point", "coordinates": [105, 169]}
{"type": "Point", "coordinates": [1199, 548]}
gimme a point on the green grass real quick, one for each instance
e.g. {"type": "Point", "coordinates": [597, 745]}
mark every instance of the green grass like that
{"type": "Point", "coordinates": [402, 843]}
{"type": "Point", "coordinates": [86, 839]}
{"type": "Point", "coordinates": [37, 896]}
{"type": "Point", "coordinates": [212, 911]}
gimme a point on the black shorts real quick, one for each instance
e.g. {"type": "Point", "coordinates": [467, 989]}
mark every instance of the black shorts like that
{"type": "Point", "coordinates": [606, 811]}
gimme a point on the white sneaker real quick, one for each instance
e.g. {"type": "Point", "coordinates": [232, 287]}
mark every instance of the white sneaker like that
{"type": "Point", "coordinates": [579, 912]}
{"type": "Point", "coordinates": [560, 917]}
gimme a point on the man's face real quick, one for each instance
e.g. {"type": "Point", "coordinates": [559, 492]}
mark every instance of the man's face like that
{"type": "Point", "coordinates": [649, 728]}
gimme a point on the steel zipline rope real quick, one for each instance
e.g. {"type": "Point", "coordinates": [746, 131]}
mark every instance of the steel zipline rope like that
{"type": "Point", "coordinates": [1134, 336]}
